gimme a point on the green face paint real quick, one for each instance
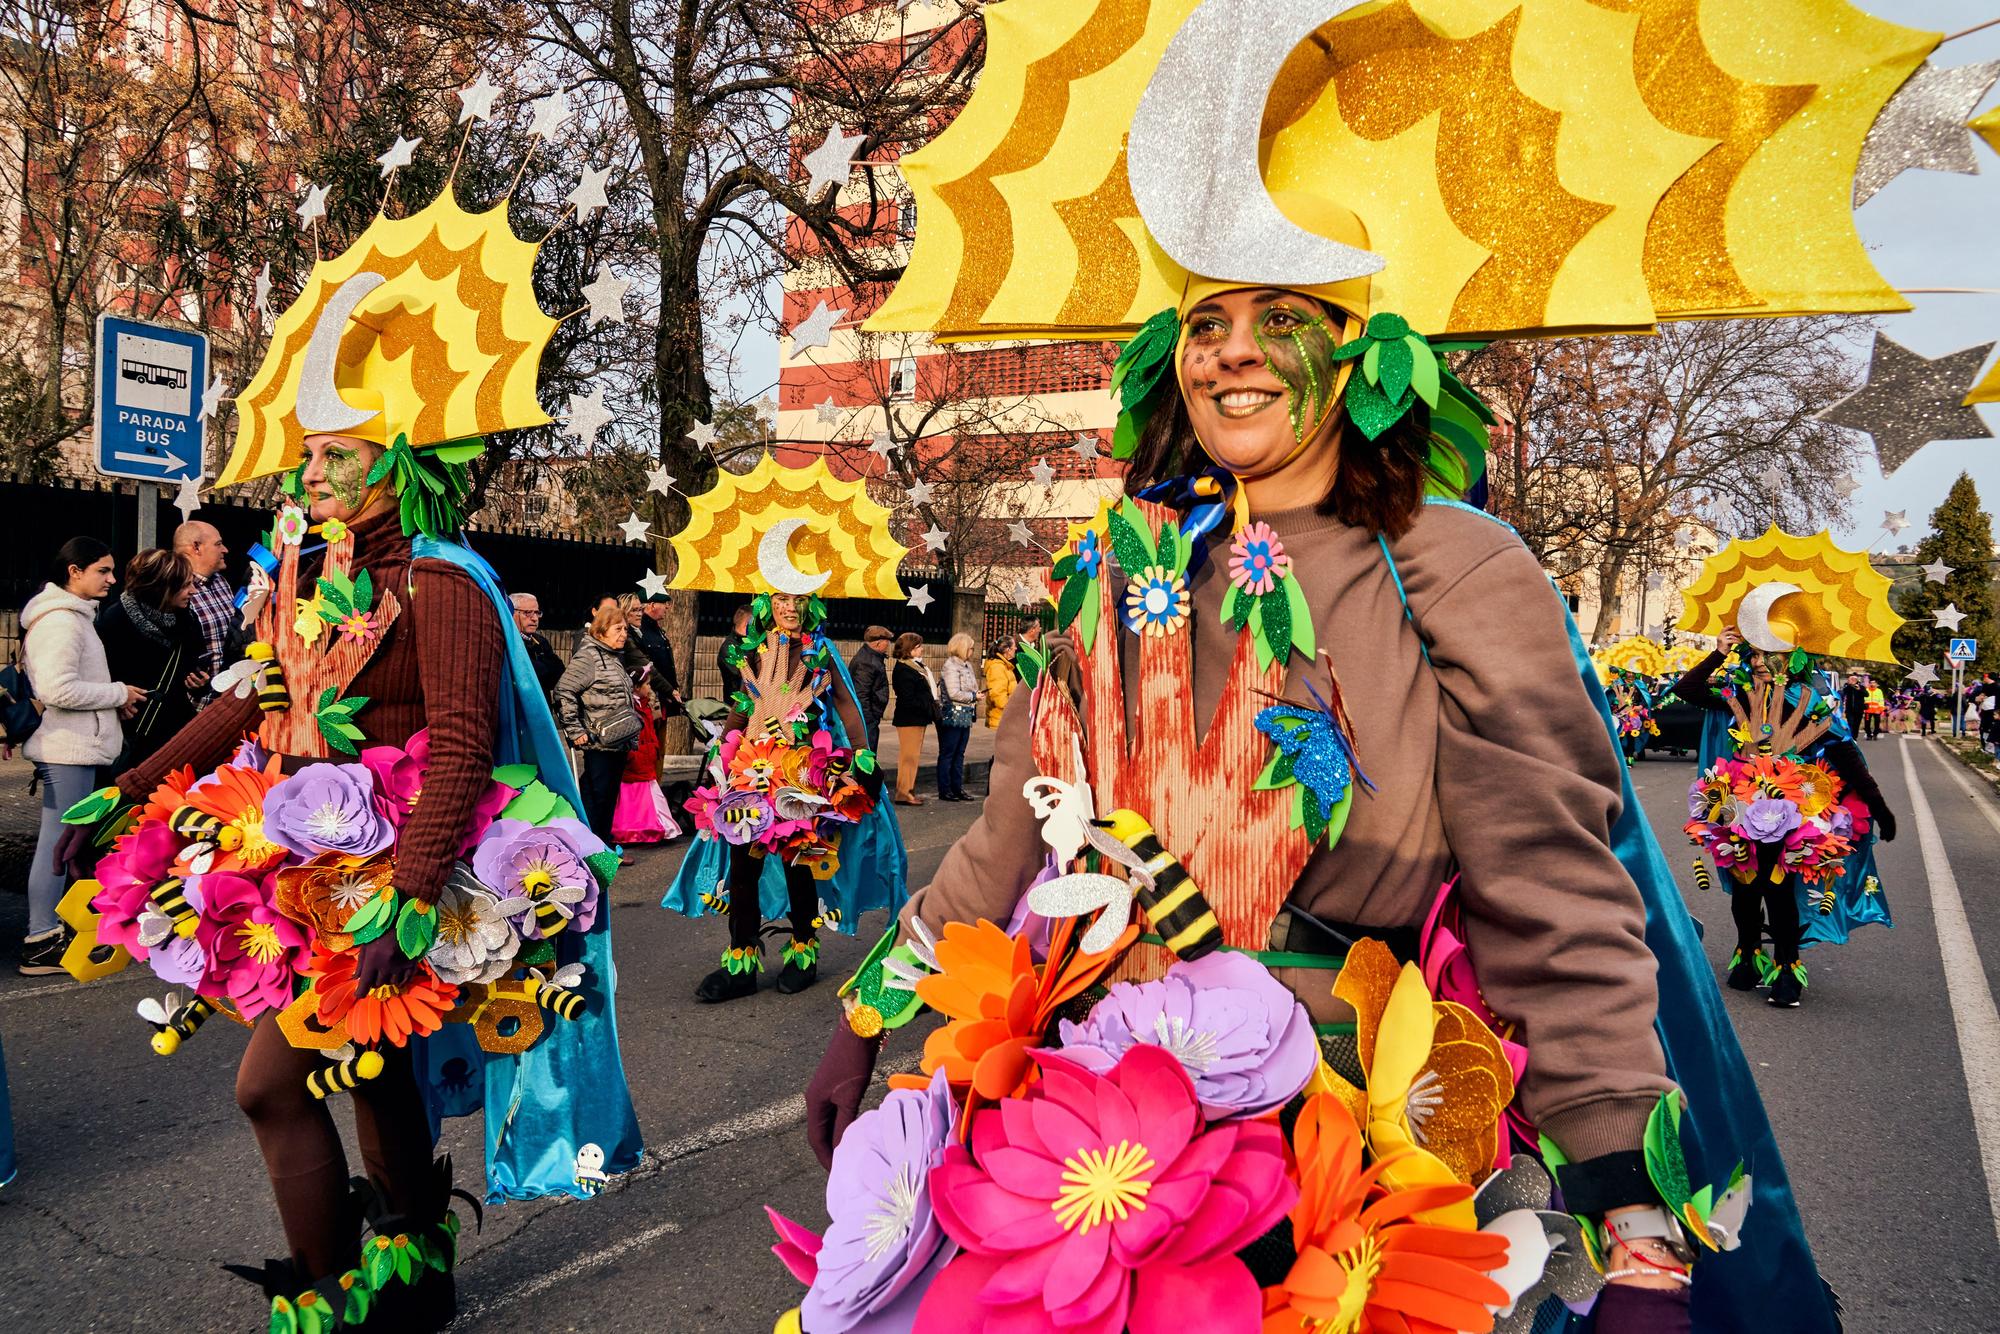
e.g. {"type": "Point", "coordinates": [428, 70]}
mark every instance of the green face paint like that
{"type": "Point", "coordinates": [1299, 351]}
{"type": "Point", "coordinates": [346, 476]}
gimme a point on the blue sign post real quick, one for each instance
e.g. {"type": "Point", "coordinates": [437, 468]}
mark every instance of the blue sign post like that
{"type": "Point", "coordinates": [150, 379]}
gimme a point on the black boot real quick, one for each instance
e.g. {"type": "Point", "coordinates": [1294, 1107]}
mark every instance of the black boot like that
{"type": "Point", "coordinates": [736, 978]}
{"type": "Point", "coordinates": [801, 968]}
{"type": "Point", "coordinates": [1746, 972]}
{"type": "Point", "coordinates": [409, 1262]}
{"type": "Point", "coordinates": [1788, 988]}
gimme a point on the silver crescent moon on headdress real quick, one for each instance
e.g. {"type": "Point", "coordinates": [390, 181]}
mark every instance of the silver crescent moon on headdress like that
{"type": "Point", "coordinates": [774, 561]}
{"type": "Point", "coordinates": [320, 406]}
{"type": "Point", "coordinates": [1753, 618]}
{"type": "Point", "coordinates": [1192, 154]}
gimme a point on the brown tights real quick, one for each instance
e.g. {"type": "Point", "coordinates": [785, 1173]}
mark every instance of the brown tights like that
{"type": "Point", "coordinates": [303, 1154]}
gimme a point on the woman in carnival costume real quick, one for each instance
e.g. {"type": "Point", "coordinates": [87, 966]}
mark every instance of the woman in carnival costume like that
{"type": "Point", "coordinates": [367, 849]}
{"type": "Point", "coordinates": [1297, 687]}
{"type": "Point", "coordinates": [1786, 807]}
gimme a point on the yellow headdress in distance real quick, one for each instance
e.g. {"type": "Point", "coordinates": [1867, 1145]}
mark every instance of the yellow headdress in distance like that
{"type": "Point", "coordinates": [426, 327]}
{"type": "Point", "coordinates": [1637, 654]}
{"type": "Point", "coordinates": [788, 530]}
{"type": "Point", "coordinates": [1781, 591]}
{"type": "Point", "coordinates": [1522, 166]}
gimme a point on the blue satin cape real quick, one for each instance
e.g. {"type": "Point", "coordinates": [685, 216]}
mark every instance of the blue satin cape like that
{"type": "Point", "coordinates": [1770, 1284]}
{"type": "Point", "coordinates": [873, 873]}
{"type": "Point", "coordinates": [568, 1090]}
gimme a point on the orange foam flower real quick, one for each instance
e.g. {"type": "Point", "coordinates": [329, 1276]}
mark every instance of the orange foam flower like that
{"type": "Point", "coordinates": [168, 797]}
{"type": "Point", "coordinates": [1366, 1264]}
{"type": "Point", "coordinates": [391, 1014]}
{"type": "Point", "coordinates": [1769, 776]}
{"type": "Point", "coordinates": [999, 1005]}
{"type": "Point", "coordinates": [236, 797]}
{"type": "Point", "coordinates": [327, 891]}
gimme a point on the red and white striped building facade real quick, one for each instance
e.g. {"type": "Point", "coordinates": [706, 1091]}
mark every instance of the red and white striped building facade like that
{"type": "Point", "coordinates": [978, 423]}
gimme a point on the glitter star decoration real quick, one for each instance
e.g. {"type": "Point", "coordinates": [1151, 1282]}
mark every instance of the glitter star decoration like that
{"type": "Point", "coordinates": [634, 528]}
{"type": "Point", "coordinates": [1085, 447]}
{"type": "Point", "coordinates": [1923, 674]}
{"type": "Point", "coordinates": [766, 409]}
{"type": "Point", "coordinates": [1910, 400]}
{"type": "Point", "coordinates": [475, 102]}
{"type": "Point", "coordinates": [1936, 572]}
{"type": "Point", "coordinates": [881, 446]}
{"type": "Point", "coordinates": [313, 207]}
{"type": "Point", "coordinates": [703, 435]}
{"type": "Point", "coordinates": [920, 492]}
{"type": "Point", "coordinates": [920, 598]}
{"type": "Point", "coordinates": [211, 398]}
{"type": "Point", "coordinates": [816, 329]}
{"type": "Point", "coordinates": [263, 293]}
{"type": "Point", "coordinates": [1948, 618]}
{"type": "Point", "coordinates": [1772, 479]}
{"type": "Point", "coordinates": [659, 479]}
{"type": "Point", "coordinates": [1924, 127]}
{"type": "Point", "coordinates": [1895, 521]}
{"type": "Point", "coordinates": [550, 113]}
{"type": "Point", "coordinates": [587, 416]}
{"type": "Point", "coordinates": [1024, 595]}
{"type": "Point", "coordinates": [589, 194]}
{"type": "Point", "coordinates": [831, 162]}
{"type": "Point", "coordinates": [606, 295]}
{"type": "Point", "coordinates": [1846, 485]}
{"type": "Point", "coordinates": [1021, 534]}
{"type": "Point", "coordinates": [934, 538]}
{"type": "Point", "coordinates": [188, 499]}
{"type": "Point", "coordinates": [827, 411]}
{"type": "Point", "coordinates": [1042, 474]}
{"type": "Point", "coordinates": [400, 154]}
{"type": "Point", "coordinates": [654, 585]}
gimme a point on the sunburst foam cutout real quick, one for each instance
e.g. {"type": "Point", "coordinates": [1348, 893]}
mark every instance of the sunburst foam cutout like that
{"type": "Point", "coordinates": [1842, 609]}
{"type": "Point", "coordinates": [1681, 658]}
{"type": "Point", "coordinates": [448, 346]}
{"type": "Point", "coordinates": [844, 532]}
{"type": "Point", "coordinates": [1637, 654]}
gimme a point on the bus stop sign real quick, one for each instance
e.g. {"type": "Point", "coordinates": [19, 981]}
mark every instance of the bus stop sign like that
{"type": "Point", "coordinates": [150, 379]}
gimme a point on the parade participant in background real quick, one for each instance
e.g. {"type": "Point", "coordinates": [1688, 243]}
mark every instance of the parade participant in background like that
{"type": "Point", "coordinates": [212, 600]}
{"type": "Point", "coordinates": [1875, 709]}
{"type": "Point", "coordinates": [82, 704]}
{"type": "Point", "coordinates": [732, 677]}
{"type": "Point", "coordinates": [958, 710]}
{"type": "Point", "coordinates": [593, 701]}
{"type": "Point", "coordinates": [1303, 687]}
{"type": "Point", "coordinates": [789, 823]}
{"type": "Point", "coordinates": [869, 669]}
{"type": "Point", "coordinates": [386, 881]}
{"type": "Point", "coordinates": [1000, 680]}
{"type": "Point", "coordinates": [1928, 702]}
{"type": "Point", "coordinates": [151, 637]}
{"type": "Point", "coordinates": [548, 666]}
{"type": "Point", "coordinates": [643, 815]}
{"type": "Point", "coordinates": [1854, 702]}
{"type": "Point", "coordinates": [916, 710]}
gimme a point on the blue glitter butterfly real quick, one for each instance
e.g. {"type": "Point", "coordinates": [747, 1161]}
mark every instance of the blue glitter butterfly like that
{"type": "Point", "coordinates": [1316, 742]}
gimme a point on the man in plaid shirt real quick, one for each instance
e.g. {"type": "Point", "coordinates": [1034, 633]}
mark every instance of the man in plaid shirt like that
{"type": "Point", "coordinates": [213, 601]}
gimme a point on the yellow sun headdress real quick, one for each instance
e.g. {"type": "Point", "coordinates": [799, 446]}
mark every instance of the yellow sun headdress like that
{"type": "Point", "coordinates": [1785, 592]}
{"type": "Point", "coordinates": [1638, 655]}
{"type": "Point", "coordinates": [423, 335]}
{"type": "Point", "coordinates": [787, 530]}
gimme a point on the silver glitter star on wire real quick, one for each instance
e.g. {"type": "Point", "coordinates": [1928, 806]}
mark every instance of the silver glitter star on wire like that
{"type": "Point", "coordinates": [1924, 127]}
{"type": "Point", "coordinates": [550, 113]}
{"type": "Point", "coordinates": [1923, 674]}
{"type": "Point", "coordinates": [1949, 618]}
{"type": "Point", "coordinates": [1042, 474]}
{"type": "Point", "coordinates": [832, 161]}
{"type": "Point", "coordinates": [1085, 447]}
{"type": "Point", "coordinates": [634, 528]}
{"type": "Point", "coordinates": [827, 411]}
{"type": "Point", "coordinates": [263, 294]}
{"type": "Point", "coordinates": [659, 479]}
{"type": "Point", "coordinates": [920, 492]}
{"type": "Point", "coordinates": [589, 196]}
{"type": "Point", "coordinates": [587, 416]}
{"type": "Point", "coordinates": [1910, 400]}
{"type": "Point", "coordinates": [920, 598]}
{"type": "Point", "coordinates": [313, 207]}
{"type": "Point", "coordinates": [654, 584]}
{"type": "Point", "coordinates": [816, 329]}
{"type": "Point", "coordinates": [881, 446]}
{"type": "Point", "coordinates": [1846, 485]}
{"type": "Point", "coordinates": [606, 295]}
{"type": "Point", "coordinates": [475, 101]}
{"type": "Point", "coordinates": [211, 398]}
{"type": "Point", "coordinates": [1895, 521]}
{"type": "Point", "coordinates": [1936, 572]}
{"type": "Point", "coordinates": [1021, 534]}
{"type": "Point", "coordinates": [703, 435]}
{"type": "Point", "coordinates": [934, 539]}
{"type": "Point", "coordinates": [1772, 479]}
{"type": "Point", "coordinates": [400, 154]}
{"type": "Point", "coordinates": [188, 499]}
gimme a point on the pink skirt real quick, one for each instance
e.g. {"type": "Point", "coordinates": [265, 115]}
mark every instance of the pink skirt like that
{"type": "Point", "coordinates": [643, 815]}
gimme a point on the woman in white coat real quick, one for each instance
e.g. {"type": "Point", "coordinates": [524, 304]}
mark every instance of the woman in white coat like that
{"type": "Point", "coordinates": [79, 730]}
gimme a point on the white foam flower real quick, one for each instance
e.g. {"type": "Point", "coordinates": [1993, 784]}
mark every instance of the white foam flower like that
{"type": "Point", "coordinates": [475, 940]}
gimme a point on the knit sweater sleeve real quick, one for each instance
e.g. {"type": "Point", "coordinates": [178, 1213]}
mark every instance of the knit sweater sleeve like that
{"type": "Point", "coordinates": [1528, 787]}
{"type": "Point", "coordinates": [459, 650]}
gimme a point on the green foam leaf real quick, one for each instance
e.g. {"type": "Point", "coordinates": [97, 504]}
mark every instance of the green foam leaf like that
{"type": "Point", "coordinates": [416, 929]}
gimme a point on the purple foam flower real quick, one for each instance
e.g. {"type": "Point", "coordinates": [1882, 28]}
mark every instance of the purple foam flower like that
{"type": "Point", "coordinates": [1240, 1034]}
{"type": "Point", "coordinates": [328, 808]}
{"type": "Point", "coordinates": [884, 1245]}
{"type": "Point", "coordinates": [1767, 819]}
{"type": "Point", "coordinates": [541, 863]}
{"type": "Point", "coordinates": [743, 816]}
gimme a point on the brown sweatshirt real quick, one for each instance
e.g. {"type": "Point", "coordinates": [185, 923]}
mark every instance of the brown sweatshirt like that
{"type": "Point", "coordinates": [438, 667]}
{"type": "Point", "coordinates": [1489, 758]}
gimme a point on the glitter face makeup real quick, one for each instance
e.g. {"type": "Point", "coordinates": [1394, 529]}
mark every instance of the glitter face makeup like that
{"type": "Point", "coordinates": [347, 475]}
{"type": "Point", "coordinates": [1243, 354]}
{"type": "Point", "coordinates": [334, 479]}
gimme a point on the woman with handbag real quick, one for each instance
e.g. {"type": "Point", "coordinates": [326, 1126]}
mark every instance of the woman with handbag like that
{"type": "Point", "coordinates": [915, 709]}
{"type": "Point", "coordinates": [152, 638]}
{"type": "Point", "coordinates": [595, 710]}
{"type": "Point", "coordinates": [958, 709]}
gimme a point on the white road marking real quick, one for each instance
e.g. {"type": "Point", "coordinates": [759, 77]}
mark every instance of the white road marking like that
{"type": "Point", "coordinates": [1972, 1007]}
{"type": "Point", "coordinates": [70, 986]}
{"type": "Point", "coordinates": [472, 1312]}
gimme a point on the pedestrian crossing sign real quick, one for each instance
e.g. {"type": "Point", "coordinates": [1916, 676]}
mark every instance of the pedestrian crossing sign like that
{"type": "Point", "coordinates": [1962, 650]}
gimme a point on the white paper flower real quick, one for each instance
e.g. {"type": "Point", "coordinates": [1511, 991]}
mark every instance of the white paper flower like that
{"type": "Point", "coordinates": [475, 941]}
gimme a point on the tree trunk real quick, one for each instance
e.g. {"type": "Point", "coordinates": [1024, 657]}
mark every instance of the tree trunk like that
{"type": "Point", "coordinates": [1609, 573]}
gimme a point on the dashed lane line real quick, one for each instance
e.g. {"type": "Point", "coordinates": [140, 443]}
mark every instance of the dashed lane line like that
{"type": "Point", "coordinates": [1972, 1007]}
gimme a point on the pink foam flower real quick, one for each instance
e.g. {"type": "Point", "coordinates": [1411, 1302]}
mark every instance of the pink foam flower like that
{"type": "Point", "coordinates": [253, 951]}
{"type": "Point", "coordinates": [1257, 559]}
{"type": "Point", "coordinates": [126, 876]}
{"type": "Point", "coordinates": [1099, 1204]}
{"type": "Point", "coordinates": [399, 781]}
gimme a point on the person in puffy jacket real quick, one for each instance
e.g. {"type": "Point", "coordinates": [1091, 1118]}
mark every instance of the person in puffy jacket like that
{"type": "Point", "coordinates": [80, 731]}
{"type": "Point", "coordinates": [1000, 680]}
{"type": "Point", "coordinates": [150, 636]}
{"type": "Point", "coordinates": [594, 708]}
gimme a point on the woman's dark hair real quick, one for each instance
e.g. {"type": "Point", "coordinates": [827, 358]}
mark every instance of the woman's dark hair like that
{"type": "Point", "coordinates": [1379, 487]}
{"type": "Point", "coordinates": [82, 552]}
{"type": "Point", "coordinates": [906, 644]}
{"type": "Point", "coordinates": [153, 577]}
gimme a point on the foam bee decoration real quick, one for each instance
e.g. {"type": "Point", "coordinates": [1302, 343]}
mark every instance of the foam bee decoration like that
{"type": "Point", "coordinates": [554, 991]}
{"type": "Point", "coordinates": [173, 1022]}
{"type": "Point", "coordinates": [345, 1072]}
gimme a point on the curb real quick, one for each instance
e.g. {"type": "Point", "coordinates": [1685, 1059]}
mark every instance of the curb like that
{"type": "Point", "coordinates": [1976, 761]}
